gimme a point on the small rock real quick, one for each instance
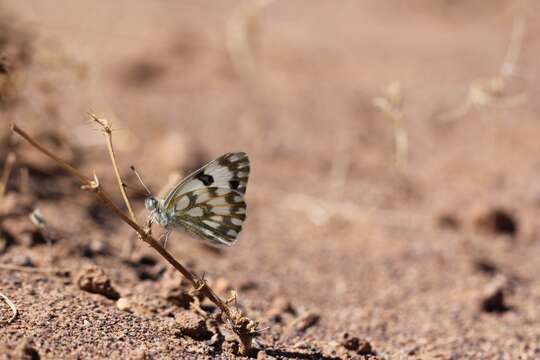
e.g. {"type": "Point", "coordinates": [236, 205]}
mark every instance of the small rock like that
{"type": "Point", "coordinates": [124, 304]}
{"type": "Point", "coordinates": [95, 280]}
{"type": "Point", "coordinates": [350, 343]}
{"type": "Point", "coordinates": [192, 325]}
{"type": "Point", "coordinates": [360, 346]}
{"type": "Point", "coordinates": [364, 348]}
{"type": "Point", "coordinates": [306, 321]}
{"type": "Point", "coordinates": [27, 352]}
{"type": "Point", "coordinates": [493, 300]}
{"type": "Point", "coordinates": [496, 221]}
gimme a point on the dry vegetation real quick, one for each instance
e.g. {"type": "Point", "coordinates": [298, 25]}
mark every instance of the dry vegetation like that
{"type": "Point", "coordinates": [399, 223]}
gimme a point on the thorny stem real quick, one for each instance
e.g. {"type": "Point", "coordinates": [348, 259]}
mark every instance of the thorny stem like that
{"type": "Point", "coordinates": [108, 134]}
{"type": "Point", "coordinates": [244, 328]}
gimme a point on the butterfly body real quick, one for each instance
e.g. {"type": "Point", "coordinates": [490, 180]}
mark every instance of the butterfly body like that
{"type": "Point", "coordinates": [159, 213]}
{"type": "Point", "coordinates": [208, 203]}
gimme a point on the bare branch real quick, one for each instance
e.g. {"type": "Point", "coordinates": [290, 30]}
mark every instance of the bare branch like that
{"type": "Point", "coordinates": [391, 105]}
{"type": "Point", "coordinates": [27, 269]}
{"type": "Point", "coordinates": [108, 134]}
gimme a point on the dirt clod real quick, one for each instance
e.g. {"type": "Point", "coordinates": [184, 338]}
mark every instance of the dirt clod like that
{"type": "Point", "coordinates": [360, 346]}
{"type": "Point", "coordinates": [497, 221]}
{"type": "Point", "coordinates": [493, 300]}
{"type": "Point", "coordinates": [306, 321]}
{"type": "Point", "coordinates": [95, 280]}
{"type": "Point", "coordinates": [190, 324]}
{"type": "Point", "coordinates": [25, 352]}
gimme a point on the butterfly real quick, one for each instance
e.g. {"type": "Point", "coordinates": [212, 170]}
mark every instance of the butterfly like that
{"type": "Point", "coordinates": [208, 203]}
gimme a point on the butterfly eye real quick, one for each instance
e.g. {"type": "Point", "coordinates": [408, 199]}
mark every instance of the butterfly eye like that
{"type": "Point", "coordinates": [151, 203]}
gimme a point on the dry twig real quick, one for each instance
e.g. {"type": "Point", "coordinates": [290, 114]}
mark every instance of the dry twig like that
{"type": "Point", "coordinates": [493, 91]}
{"type": "Point", "coordinates": [244, 328]}
{"type": "Point", "coordinates": [243, 34]}
{"type": "Point", "coordinates": [107, 130]}
{"type": "Point", "coordinates": [13, 308]}
{"type": "Point", "coordinates": [28, 269]}
{"type": "Point", "coordinates": [391, 105]}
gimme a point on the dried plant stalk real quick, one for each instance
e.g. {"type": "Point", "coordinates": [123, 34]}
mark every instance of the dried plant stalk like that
{"type": "Point", "coordinates": [243, 327]}
{"type": "Point", "coordinates": [391, 105]}
{"type": "Point", "coordinates": [27, 269]}
{"type": "Point", "coordinates": [243, 35]}
{"type": "Point", "coordinates": [13, 308]}
{"type": "Point", "coordinates": [492, 91]}
{"type": "Point", "coordinates": [107, 130]}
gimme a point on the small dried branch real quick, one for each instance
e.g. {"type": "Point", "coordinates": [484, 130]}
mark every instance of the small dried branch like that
{"type": "Point", "coordinates": [391, 105]}
{"type": "Point", "coordinates": [107, 130]}
{"type": "Point", "coordinates": [492, 91]}
{"type": "Point", "coordinates": [13, 308]}
{"type": "Point", "coordinates": [27, 269]}
{"type": "Point", "coordinates": [244, 328]}
{"type": "Point", "coordinates": [508, 67]}
{"type": "Point", "coordinates": [6, 172]}
{"type": "Point", "coordinates": [243, 34]}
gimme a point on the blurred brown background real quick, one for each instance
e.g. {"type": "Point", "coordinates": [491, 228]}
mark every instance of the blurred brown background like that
{"type": "Point", "coordinates": [393, 193]}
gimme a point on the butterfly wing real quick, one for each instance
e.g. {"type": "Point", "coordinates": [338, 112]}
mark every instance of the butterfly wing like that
{"type": "Point", "coordinates": [210, 202]}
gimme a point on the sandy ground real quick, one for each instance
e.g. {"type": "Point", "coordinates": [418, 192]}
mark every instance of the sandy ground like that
{"type": "Point", "coordinates": [346, 254]}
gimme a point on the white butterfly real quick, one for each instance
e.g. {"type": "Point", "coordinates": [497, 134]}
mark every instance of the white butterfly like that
{"type": "Point", "coordinates": [209, 202]}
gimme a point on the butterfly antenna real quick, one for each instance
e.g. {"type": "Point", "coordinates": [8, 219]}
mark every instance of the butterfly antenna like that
{"type": "Point", "coordinates": [140, 180]}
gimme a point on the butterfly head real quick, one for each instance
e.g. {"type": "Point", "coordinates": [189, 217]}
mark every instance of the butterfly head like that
{"type": "Point", "coordinates": [151, 203]}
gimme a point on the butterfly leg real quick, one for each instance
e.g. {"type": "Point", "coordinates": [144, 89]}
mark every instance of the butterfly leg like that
{"type": "Point", "coordinates": [164, 237]}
